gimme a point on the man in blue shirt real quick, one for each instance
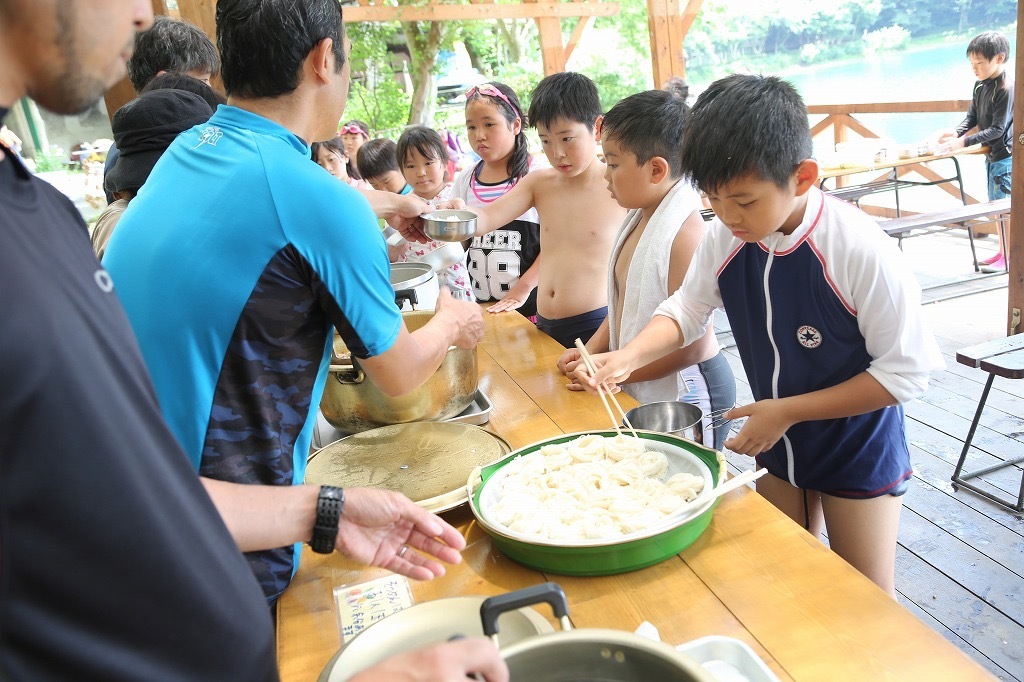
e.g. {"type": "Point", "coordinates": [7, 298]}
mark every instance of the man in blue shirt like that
{"type": "Point", "coordinates": [240, 254]}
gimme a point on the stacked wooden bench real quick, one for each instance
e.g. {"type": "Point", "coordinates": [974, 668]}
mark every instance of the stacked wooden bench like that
{"type": "Point", "coordinates": [1003, 358]}
{"type": "Point", "coordinates": [966, 217]}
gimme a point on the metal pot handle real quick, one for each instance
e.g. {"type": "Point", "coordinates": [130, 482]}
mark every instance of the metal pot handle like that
{"type": "Point", "coordinates": [409, 295]}
{"type": "Point", "coordinates": [348, 375]}
{"type": "Point", "coordinates": [549, 592]}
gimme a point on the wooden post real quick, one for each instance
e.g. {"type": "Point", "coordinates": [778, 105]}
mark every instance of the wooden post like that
{"type": "Point", "coordinates": [1015, 236]}
{"type": "Point", "coordinates": [665, 21]}
{"type": "Point", "coordinates": [552, 51]}
{"type": "Point", "coordinates": [202, 13]}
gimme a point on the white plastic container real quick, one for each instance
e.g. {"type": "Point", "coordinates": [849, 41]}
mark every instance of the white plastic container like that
{"type": "Point", "coordinates": [728, 659]}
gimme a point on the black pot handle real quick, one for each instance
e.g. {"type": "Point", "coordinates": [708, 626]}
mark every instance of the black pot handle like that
{"type": "Point", "coordinates": [409, 295]}
{"type": "Point", "coordinates": [546, 592]}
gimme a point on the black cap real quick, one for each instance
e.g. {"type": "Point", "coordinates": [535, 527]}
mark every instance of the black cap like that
{"type": "Point", "coordinates": [145, 127]}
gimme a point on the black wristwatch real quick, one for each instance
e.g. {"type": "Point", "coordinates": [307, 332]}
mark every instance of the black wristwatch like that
{"type": "Point", "coordinates": [328, 511]}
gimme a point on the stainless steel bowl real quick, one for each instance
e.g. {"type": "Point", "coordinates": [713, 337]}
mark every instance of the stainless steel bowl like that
{"type": "Point", "coordinates": [674, 417]}
{"type": "Point", "coordinates": [449, 225]}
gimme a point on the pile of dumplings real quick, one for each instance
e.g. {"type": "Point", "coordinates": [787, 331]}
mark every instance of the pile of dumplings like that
{"type": "Point", "coordinates": [591, 488]}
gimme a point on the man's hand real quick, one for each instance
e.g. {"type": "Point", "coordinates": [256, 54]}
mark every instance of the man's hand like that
{"type": "Point", "coordinates": [410, 221]}
{"type": "Point", "coordinates": [406, 214]}
{"type": "Point", "coordinates": [447, 662]}
{"type": "Point", "coordinates": [462, 316]}
{"type": "Point", "coordinates": [386, 529]}
{"type": "Point", "coordinates": [767, 421]}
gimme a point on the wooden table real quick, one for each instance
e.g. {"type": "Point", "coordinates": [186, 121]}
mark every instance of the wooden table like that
{"type": "Point", "coordinates": [753, 574]}
{"type": "Point", "coordinates": [892, 182]}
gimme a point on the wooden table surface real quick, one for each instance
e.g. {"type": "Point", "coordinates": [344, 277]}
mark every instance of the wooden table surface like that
{"type": "Point", "coordinates": [892, 162]}
{"type": "Point", "coordinates": [753, 575]}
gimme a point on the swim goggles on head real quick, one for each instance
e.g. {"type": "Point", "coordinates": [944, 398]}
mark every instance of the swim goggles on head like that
{"type": "Point", "coordinates": [353, 129]}
{"type": "Point", "coordinates": [491, 91]}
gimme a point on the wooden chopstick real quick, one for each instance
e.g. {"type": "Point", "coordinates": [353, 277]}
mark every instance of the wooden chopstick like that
{"type": "Point", "coordinates": [602, 391]}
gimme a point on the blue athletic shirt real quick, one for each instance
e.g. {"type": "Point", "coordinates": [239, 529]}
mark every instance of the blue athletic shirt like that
{"type": "Point", "coordinates": [233, 263]}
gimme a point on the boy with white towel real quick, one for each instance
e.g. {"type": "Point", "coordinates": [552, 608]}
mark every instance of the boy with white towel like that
{"type": "Point", "coordinates": [642, 141]}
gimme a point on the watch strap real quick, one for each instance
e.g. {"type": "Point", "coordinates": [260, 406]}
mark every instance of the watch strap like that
{"type": "Point", "coordinates": [329, 504]}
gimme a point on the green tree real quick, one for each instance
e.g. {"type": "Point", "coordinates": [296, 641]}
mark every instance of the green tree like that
{"type": "Point", "coordinates": [375, 95]}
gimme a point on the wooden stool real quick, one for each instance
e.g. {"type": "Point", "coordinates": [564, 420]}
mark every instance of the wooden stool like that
{"type": "Point", "coordinates": [1004, 358]}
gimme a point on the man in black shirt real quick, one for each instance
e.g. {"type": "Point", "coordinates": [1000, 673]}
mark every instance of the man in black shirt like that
{"type": "Point", "coordinates": [114, 562]}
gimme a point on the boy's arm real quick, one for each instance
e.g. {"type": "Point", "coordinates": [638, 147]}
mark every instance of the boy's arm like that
{"type": "Point", "coordinates": [507, 207]}
{"type": "Point", "coordinates": [658, 338]}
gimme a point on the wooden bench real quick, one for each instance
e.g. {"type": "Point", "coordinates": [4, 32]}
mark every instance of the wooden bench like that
{"type": "Point", "coordinates": [966, 217]}
{"type": "Point", "coordinates": [854, 193]}
{"type": "Point", "coordinates": [1004, 358]}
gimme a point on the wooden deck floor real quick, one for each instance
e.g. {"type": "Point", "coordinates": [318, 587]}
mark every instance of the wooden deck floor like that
{"type": "Point", "coordinates": [960, 560]}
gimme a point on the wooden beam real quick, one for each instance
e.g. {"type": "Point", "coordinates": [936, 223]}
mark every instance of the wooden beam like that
{"type": "Point", "coordinates": [690, 14]}
{"type": "Point", "coordinates": [574, 39]}
{"type": "Point", "coordinates": [484, 10]}
{"type": "Point", "coordinates": [1015, 232]}
{"type": "Point", "coordinates": [890, 107]}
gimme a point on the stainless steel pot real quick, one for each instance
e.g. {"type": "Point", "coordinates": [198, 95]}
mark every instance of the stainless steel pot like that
{"type": "Point", "coordinates": [415, 285]}
{"type": "Point", "coordinates": [596, 655]}
{"type": "Point", "coordinates": [674, 417]}
{"type": "Point", "coordinates": [353, 404]}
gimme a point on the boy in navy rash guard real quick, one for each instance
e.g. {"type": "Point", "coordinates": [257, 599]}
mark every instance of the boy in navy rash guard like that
{"type": "Point", "coordinates": [826, 317]}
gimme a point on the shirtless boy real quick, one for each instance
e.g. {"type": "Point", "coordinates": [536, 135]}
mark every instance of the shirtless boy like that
{"type": "Point", "coordinates": [578, 216]}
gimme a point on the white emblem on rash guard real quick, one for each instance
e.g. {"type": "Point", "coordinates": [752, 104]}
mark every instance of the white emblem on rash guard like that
{"type": "Point", "coordinates": [103, 281]}
{"type": "Point", "coordinates": [808, 336]}
{"type": "Point", "coordinates": [210, 135]}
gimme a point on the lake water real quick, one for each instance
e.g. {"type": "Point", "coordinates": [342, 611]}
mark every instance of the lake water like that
{"type": "Point", "coordinates": [935, 73]}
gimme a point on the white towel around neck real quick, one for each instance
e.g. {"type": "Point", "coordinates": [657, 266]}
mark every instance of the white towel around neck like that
{"type": "Point", "coordinates": [647, 280]}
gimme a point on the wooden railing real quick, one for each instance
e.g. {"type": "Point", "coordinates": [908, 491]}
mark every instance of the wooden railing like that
{"type": "Point", "coordinates": [841, 119]}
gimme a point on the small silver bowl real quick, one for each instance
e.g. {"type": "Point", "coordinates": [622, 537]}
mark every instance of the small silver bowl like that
{"type": "Point", "coordinates": [675, 417]}
{"type": "Point", "coordinates": [449, 225]}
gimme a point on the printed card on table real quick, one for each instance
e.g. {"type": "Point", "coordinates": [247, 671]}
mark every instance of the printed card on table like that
{"type": "Point", "coordinates": [360, 605]}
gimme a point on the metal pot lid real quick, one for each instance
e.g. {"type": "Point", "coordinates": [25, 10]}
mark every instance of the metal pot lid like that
{"type": "Point", "coordinates": [428, 462]}
{"type": "Point", "coordinates": [431, 622]}
{"type": "Point", "coordinates": [410, 275]}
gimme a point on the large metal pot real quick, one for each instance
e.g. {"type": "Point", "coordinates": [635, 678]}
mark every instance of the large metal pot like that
{"type": "Point", "coordinates": [353, 404]}
{"type": "Point", "coordinates": [597, 655]}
